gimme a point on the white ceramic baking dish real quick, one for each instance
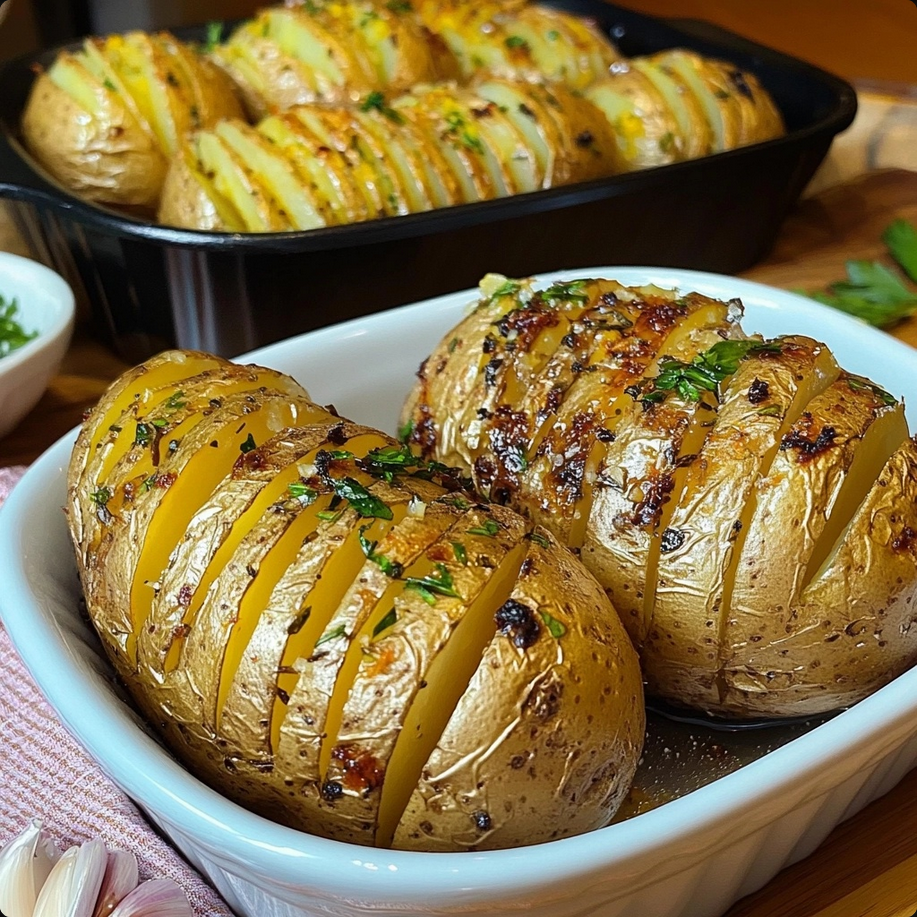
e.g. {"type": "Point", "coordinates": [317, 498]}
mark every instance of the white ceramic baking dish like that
{"type": "Point", "coordinates": [691, 857]}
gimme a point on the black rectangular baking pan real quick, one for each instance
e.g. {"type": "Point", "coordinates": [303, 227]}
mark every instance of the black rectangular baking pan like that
{"type": "Point", "coordinates": [151, 286]}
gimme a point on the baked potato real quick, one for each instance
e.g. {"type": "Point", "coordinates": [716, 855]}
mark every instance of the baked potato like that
{"type": "Point", "coordinates": [105, 120]}
{"type": "Point", "coordinates": [677, 105]}
{"type": "Point", "coordinates": [435, 146]}
{"type": "Point", "coordinates": [313, 619]}
{"type": "Point", "coordinates": [330, 52]}
{"type": "Point", "coordinates": [520, 41]}
{"type": "Point", "coordinates": [749, 507]}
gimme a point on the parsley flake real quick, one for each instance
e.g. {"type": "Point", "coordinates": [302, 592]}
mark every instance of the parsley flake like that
{"type": "Point", "coordinates": [386, 622]}
{"type": "Point", "coordinates": [375, 101]}
{"type": "Point", "coordinates": [213, 36]}
{"type": "Point", "coordinates": [489, 528]}
{"type": "Point", "coordinates": [302, 492]}
{"type": "Point", "coordinates": [433, 584]}
{"type": "Point", "coordinates": [388, 566]}
{"type": "Point", "coordinates": [248, 445]}
{"type": "Point", "coordinates": [360, 498]}
{"type": "Point", "coordinates": [330, 635]}
{"type": "Point", "coordinates": [555, 628]}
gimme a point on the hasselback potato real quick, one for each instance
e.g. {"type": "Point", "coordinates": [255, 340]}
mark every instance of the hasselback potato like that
{"type": "Point", "coordinates": [748, 506]}
{"type": "Point", "coordinates": [433, 147]}
{"type": "Point", "coordinates": [333, 632]}
{"type": "Point", "coordinates": [106, 119]}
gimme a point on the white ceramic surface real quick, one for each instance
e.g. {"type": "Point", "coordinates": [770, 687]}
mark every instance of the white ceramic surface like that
{"type": "Point", "coordinates": [689, 858]}
{"type": "Point", "coordinates": [44, 304]}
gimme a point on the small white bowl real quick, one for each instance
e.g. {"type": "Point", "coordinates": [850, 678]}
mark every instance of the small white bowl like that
{"type": "Point", "coordinates": [45, 304]}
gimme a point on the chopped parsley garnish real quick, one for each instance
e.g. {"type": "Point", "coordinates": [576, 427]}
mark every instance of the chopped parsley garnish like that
{"type": "Point", "coordinates": [389, 567]}
{"type": "Point", "coordinates": [571, 291]}
{"type": "Point", "coordinates": [12, 334]}
{"type": "Point", "coordinates": [539, 539]}
{"type": "Point", "coordinates": [400, 6]}
{"type": "Point", "coordinates": [459, 126]}
{"type": "Point", "coordinates": [302, 492]}
{"type": "Point", "coordinates": [516, 41]}
{"type": "Point", "coordinates": [874, 292]}
{"type": "Point", "coordinates": [387, 461]}
{"type": "Point", "coordinates": [666, 142]}
{"type": "Point", "coordinates": [109, 85]}
{"type": "Point", "coordinates": [175, 401]}
{"type": "Point", "coordinates": [553, 35]}
{"type": "Point", "coordinates": [297, 624]}
{"type": "Point", "coordinates": [213, 36]}
{"type": "Point", "coordinates": [148, 483]}
{"type": "Point", "coordinates": [160, 423]}
{"type": "Point", "coordinates": [457, 501]}
{"type": "Point", "coordinates": [360, 498]}
{"type": "Point", "coordinates": [375, 101]}
{"type": "Point", "coordinates": [461, 555]}
{"type": "Point", "coordinates": [101, 496]}
{"type": "Point", "coordinates": [386, 622]}
{"type": "Point", "coordinates": [145, 432]}
{"type": "Point", "coordinates": [332, 634]}
{"type": "Point", "coordinates": [507, 288]}
{"type": "Point", "coordinates": [433, 584]}
{"type": "Point", "coordinates": [858, 383]}
{"type": "Point", "coordinates": [704, 373]}
{"type": "Point", "coordinates": [405, 431]}
{"type": "Point", "coordinates": [329, 515]}
{"type": "Point", "coordinates": [453, 344]}
{"type": "Point", "coordinates": [555, 628]}
{"type": "Point", "coordinates": [489, 528]}
{"type": "Point", "coordinates": [248, 445]}
{"type": "Point", "coordinates": [772, 410]}
{"type": "Point", "coordinates": [340, 455]}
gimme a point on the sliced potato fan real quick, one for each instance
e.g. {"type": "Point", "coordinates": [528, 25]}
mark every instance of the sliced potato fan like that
{"type": "Point", "coordinates": [434, 146]}
{"type": "Point", "coordinates": [747, 505]}
{"type": "Point", "coordinates": [300, 606]}
{"type": "Point", "coordinates": [106, 119]}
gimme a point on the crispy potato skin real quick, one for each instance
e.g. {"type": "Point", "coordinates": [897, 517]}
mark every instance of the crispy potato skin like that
{"type": "Point", "coordinates": [319, 555]}
{"type": "Point", "coordinates": [782, 580]}
{"type": "Point", "coordinates": [109, 158]}
{"type": "Point", "coordinates": [112, 154]}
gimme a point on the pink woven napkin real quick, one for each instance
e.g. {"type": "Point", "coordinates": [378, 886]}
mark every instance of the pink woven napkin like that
{"type": "Point", "coordinates": [45, 774]}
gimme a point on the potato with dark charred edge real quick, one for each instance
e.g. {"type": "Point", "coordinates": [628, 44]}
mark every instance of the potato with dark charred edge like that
{"type": "Point", "coordinates": [105, 120]}
{"type": "Point", "coordinates": [300, 607]}
{"type": "Point", "coordinates": [747, 505]}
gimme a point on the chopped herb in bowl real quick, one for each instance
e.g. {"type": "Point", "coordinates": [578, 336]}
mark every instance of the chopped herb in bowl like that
{"type": "Point", "coordinates": [12, 334]}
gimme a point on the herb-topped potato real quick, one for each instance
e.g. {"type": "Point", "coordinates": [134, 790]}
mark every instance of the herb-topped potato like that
{"type": "Point", "coordinates": [334, 632]}
{"type": "Point", "coordinates": [105, 120]}
{"type": "Point", "coordinates": [749, 507]}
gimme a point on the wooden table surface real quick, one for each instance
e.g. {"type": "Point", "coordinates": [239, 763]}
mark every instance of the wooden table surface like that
{"type": "Point", "coordinates": [868, 866]}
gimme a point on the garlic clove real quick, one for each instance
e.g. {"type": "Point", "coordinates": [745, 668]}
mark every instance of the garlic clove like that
{"type": "Point", "coordinates": [25, 863]}
{"type": "Point", "coordinates": [121, 878]}
{"type": "Point", "coordinates": [73, 886]}
{"type": "Point", "coordinates": [155, 898]}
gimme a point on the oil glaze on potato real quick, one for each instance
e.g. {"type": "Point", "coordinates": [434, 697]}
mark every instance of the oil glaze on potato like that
{"type": "Point", "coordinates": [747, 505]}
{"type": "Point", "coordinates": [310, 617]}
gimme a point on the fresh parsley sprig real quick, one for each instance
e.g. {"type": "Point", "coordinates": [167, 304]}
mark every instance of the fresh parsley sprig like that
{"type": "Point", "coordinates": [703, 374]}
{"type": "Point", "coordinates": [12, 334]}
{"type": "Point", "coordinates": [873, 291]}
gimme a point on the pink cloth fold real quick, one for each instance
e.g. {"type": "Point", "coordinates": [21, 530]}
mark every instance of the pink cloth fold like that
{"type": "Point", "coordinates": [46, 774]}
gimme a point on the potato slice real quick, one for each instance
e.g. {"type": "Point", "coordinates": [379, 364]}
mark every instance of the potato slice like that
{"type": "Point", "coordinates": [506, 141]}
{"type": "Point", "coordinates": [486, 780]}
{"type": "Point", "coordinates": [292, 197]}
{"type": "Point", "coordinates": [317, 165]}
{"type": "Point", "coordinates": [427, 646]}
{"type": "Point", "coordinates": [312, 703]}
{"type": "Point", "coordinates": [646, 130]}
{"type": "Point", "coordinates": [146, 535]}
{"type": "Point", "coordinates": [830, 458]}
{"type": "Point", "coordinates": [852, 630]}
{"type": "Point", "coordinates": [85, 135]}
{"type": "Point", "coordinates": [642, 466]}
{"type": "Point", "coordinates": [190, 199]}
{"type": "Point", "coordinates": [235, 180]}
{"type": "Point", "coordinates": [704, 538]}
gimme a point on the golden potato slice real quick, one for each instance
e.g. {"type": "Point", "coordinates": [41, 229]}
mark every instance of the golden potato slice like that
{"type": "Point", "coordinates": [700, 547]}
{"type": "Point", "coordinates": [427, 646]}
{"type": "Point", "coordinates": [190, 199]}
{"type": "Point", "coordinates": [89, 139]}
{"type": "Point", "coordinates": [485, 783]}
{"type": "Point", "coordinates": [852, 629]}
{"type": "Point", "coordinates": [293, 198]}
{"type": "Point", "coordinates": [646, 130]}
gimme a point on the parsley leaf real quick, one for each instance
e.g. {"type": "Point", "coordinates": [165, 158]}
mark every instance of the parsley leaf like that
{"type": "Point", "coordinates": [214, 35]}
{"type": "Point", "coordinates": [375, 101]}
{"type": "Point", "coordinates": [387, 461]}
{"type": "Point", "coordinates": [386, 565]}
{"type": "Point", "coordinates": [433, 584]}
{"type": "Point", "coordinates": [874, 292]}
{"type": "Point", "coordinates": [386, 622]}
{"type": "Point", "coordinates": [489, 528]}
{"type": "Point", "coordinates": [360, 498]}
{"type": "Point", "coordinates": [302, 492]}
{"type": "Point", "coordinates": [703, 373]}
{"type": "Point", "coordinates": [12, 334]}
